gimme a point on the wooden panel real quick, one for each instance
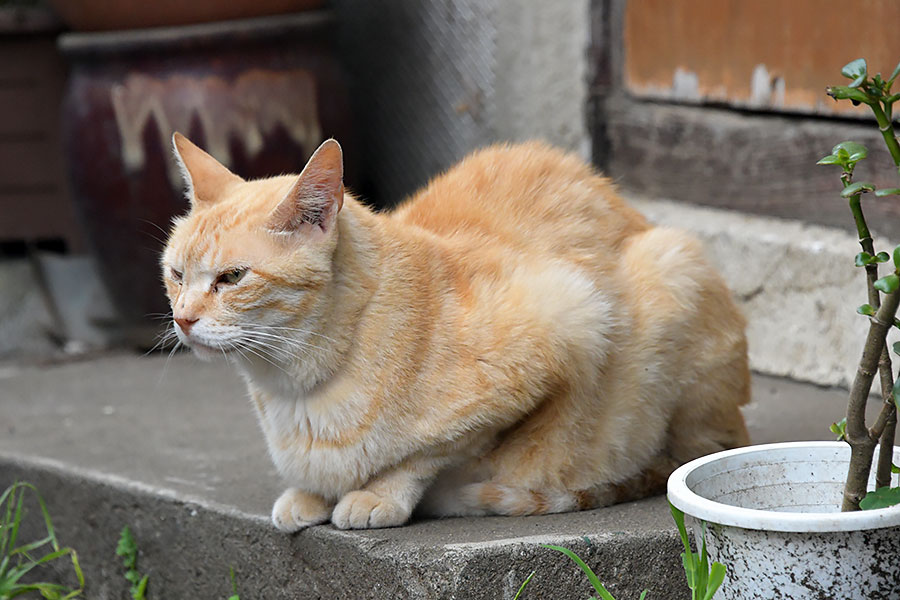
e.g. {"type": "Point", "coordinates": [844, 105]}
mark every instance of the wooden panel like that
{"type": "Point", "coordinates": [768, 54]}
{"type": "Point", "coordinates": [34, 202]}
{"type": "Point", "coordinates": [25, 111]}
{"type": "Point", "coordinates": [34, 214]}
{"type": "Point", "coordinates": [28, 161]}
{"type": "Point", "coordinates": [759, 164]}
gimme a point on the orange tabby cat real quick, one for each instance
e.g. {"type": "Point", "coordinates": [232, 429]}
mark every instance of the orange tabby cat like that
{"type": "Point", "coordinates": [512, 340]}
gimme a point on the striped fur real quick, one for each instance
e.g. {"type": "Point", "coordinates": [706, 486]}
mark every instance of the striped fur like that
{"type": "Point", "coordinates": [514, 339]}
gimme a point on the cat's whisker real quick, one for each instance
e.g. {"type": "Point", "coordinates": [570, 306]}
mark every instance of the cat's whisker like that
{"type": "Point", "coordinates": [250, 349]}
{"type": "Point", "coordinates": [168, 358]}
{"type": "Point", "coordinates": [153, 235]}
{"type": "Point", "coordinates": [282, 338]}
{"type": "Point", "coordinates": [162, 340]}
{"type": "Point", "coordinates": [159, 316]}
{"type": "Point", "coordinates": [286, 341]}
{"type": "Point", "coordinates": [264, 344]}
{"type": "Point", "coordinates": [297, 329]}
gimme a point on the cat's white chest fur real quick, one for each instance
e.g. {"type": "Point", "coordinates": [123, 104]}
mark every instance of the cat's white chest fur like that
{"type": "Point", "coordinates": [327, 442]}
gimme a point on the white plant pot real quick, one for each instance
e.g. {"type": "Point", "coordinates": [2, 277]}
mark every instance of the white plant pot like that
{"type": "Point", "coordinates": [772, 515]}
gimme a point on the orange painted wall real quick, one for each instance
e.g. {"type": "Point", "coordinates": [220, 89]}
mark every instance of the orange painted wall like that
{"type": "Point", "coordinates": [769, 54]}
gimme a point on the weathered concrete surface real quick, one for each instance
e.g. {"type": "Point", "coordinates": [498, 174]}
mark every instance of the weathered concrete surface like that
{"type": "Point", "coordinates": [795, 282]}
{"type": "Point", "coordinates": [171, 448]}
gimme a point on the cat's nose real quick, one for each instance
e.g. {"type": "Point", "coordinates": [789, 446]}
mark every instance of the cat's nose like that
{"type": "Point", "coordinates": [185, 324]}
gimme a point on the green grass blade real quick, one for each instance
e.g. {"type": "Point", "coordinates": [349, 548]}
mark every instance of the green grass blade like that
{"type": "Point", "coordinates": [16, 521]}
{"type": "Point", "coordinates": [682, 530]}
{"type": "Point", "coordinates": [47, 590]}
{"type": "Point", "coordinates": [7, 516]}
{"type": "Point", "coordinates": [716, 578]}
{"type": "Point", "coordinates": [521, 587]}
{"type": "Point", "coordinates": [595, 581]}
{"type": "Point", "coordinates": [46, 513]}
{"type": "Point", "coordinates": [24, 550]}
{"type": "Point", "coordinates": [703, 566]}
{"type": "Point", "coordinates": [643, 594]}
{"type": "Point", "coordinates": [78, 572]}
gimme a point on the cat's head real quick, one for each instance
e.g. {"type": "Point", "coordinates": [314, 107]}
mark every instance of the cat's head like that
{"type": "Point", "coordinates": [248, 266]}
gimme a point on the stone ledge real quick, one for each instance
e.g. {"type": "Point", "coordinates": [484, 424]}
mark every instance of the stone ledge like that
{"type": "Point", "coordinates": [170, 448]}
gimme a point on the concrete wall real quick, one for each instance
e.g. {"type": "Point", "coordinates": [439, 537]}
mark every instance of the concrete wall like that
{"type": "Point", "coordinates": [435, 79]}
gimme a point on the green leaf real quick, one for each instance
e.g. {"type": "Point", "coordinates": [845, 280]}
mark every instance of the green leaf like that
{"type": "Point", "coordinates": [887, 192]}
{"type": "Point", "coordinates": [866, 309]}
{"type": "Point", "coordinates": [896, 348]}
{"type": "Point", "coordinates": [687, 563]}
{"type": "Point", "coordinates": [127, 546]}
{"type": "Point", "coordinates": [881, 498]}
{"type": "Point", "coordinates": [892, 98]}
{"type": "Point", "coordinates": [896, 393]}
{"type": "Point", "coordinates": [843, 92]}
{"type": "Point", "coordinates": [857, 187]}
{"type": "Point", "coordinates": [888, 284]}
{"type": "Point", "coordinates": [138, 594]}
{"type": "Point", "coordinates": [855, 70]}
{"type": "Point", "coordinates": [716, 578]}
{"type": "Point", "coordinates": [831, 159]}
{"type": "Point", "coordinates": [643, 595]}
{"type": "Point", "coordinates": [897, 257]}
{"type": "Point", "coordinates": [894, 73]}
{"type": "Point", "coordinates": [839, 428]}
{"type": "Point", "coordinates": [895, 468]}
{"type": "Point", "coordinates": [881, 257]}
{"type": "Point", "coordinates": [678, 515]}
{"type": "Point", "coordinates": [855, 151]}
{"type": "Point", "coordinates": [862, 259]}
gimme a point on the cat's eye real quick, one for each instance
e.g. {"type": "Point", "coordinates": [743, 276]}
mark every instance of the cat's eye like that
{"type": "Point", "coordinates": [176, 275]}
{"type": "Point", "coordinates": [231, 277]}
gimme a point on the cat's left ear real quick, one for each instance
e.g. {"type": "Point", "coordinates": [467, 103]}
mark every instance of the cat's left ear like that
{"type": "Point", "coordinates": [205, 178]}
{"type": "Point", "coordinates": [318, 195]}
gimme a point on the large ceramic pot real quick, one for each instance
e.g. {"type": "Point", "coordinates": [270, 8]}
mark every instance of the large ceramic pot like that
{"type": "Point", "coordinates": [259, 95]}
{"type": "Point", "coordinates": [772, 517]}
{"type": "Point", "coordinates": [103, 15]}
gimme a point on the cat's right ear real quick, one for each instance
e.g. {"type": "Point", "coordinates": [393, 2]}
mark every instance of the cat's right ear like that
{"type": "Point", "coordinates": [313, 202]}
{"type": "Point", "coordinates": [205, 178]}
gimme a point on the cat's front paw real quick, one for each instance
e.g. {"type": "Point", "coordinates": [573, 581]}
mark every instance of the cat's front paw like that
{"type": "Point", "coordinates": [295, 510]}
{"type": "Point", "coordinates": [362, 509]}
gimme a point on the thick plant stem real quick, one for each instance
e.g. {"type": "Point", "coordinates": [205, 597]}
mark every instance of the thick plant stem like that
{"type": "Point", "coordinates": [862, 444]}
{"type": "Point", "coordinates": [886, 453]}
{"type": "Point", "coordinates": [887, 132]}
{"type": "Point", "coordinates": [885, 425]}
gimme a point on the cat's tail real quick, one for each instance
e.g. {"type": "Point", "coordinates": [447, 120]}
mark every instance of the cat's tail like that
{"type": "Point", "coordinates": [489, 497]}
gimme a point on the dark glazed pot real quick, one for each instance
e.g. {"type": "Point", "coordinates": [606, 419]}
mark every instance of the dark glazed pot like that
{"type": "Point", "coordinates": [259, 95]}
{"type": "Point", "coordinates": [103, 15]}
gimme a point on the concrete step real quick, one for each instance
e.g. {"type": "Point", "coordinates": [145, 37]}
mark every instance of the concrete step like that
{"type": "Point", "coordinates": [170, 447]}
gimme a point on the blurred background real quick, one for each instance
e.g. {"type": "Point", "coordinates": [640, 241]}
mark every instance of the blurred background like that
{"type": "Point", "coordinates": [683, 103]}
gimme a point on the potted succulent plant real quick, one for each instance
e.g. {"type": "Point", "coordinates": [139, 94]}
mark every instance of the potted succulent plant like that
{"type": "Point", "coordinates": [819, 519]}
